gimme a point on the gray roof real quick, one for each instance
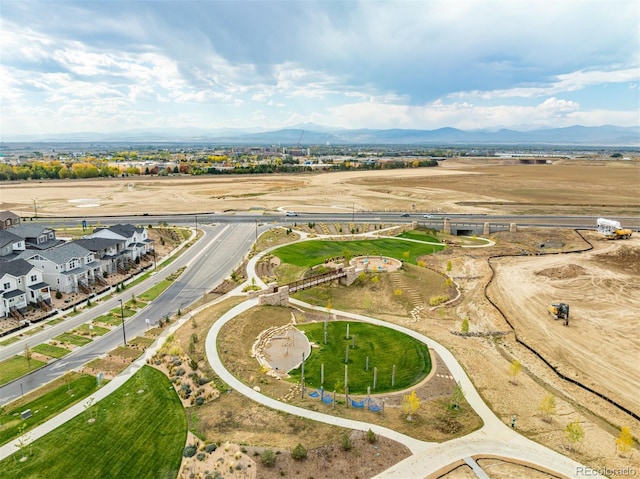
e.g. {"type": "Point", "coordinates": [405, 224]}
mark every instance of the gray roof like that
{"type": "Point", "coordinates": [97, 244]}
{"type": "Point", "coordinates": [17, 267]}
{"type": "Point", "coordinates": [8, 214]}
{"type": "Point", "coordinates": [7, 237]}
{"type": "Point", "coordinates": [60, 254]}
{"type": "Point", "coordinates": [125, 230]}
{"type": "Point", "coordinates": [46, 245]}
{"type": "Point", "coordinates": [29, 230]}
{"type": "Point", "coordinates": [14, 294]}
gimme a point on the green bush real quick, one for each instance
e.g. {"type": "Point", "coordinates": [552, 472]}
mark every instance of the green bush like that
{"type": "Point", "coordinates": [345, 442]}
{"type": "Point", "coordinates": [189, 451]}
{"type": "Point", "coordinates": [211, 447]}
{"type": "Point", "coordinates": [200, 456]}
{"type": "Point", "coordinates": [299, 452]}
{"type": "Point", "coordinates": [268, 458]}
{"type": "Point", "coordinates": [371, 437]}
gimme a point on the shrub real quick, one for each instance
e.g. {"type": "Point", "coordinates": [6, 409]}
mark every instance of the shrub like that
{"type": "Point", "coordinates": [189, 451]}
{"type": "Point", "coordinates": [180, 372]}
{"type": "Point", "coordinates": [199, 401]}
{"type": "Point", "coordinates": [345, 442]}
{"type": "Point", "coordinates": [200, 456]}
{"type": "Point", "coordinates": [58, 295]}
{"type": "Point", "coordinates": [299, 452]}
{"type": "Point", "coordinates": [202, 381]}
{"type": "Point", "coordinates": [211, 447]}
{"type": "Point", "coordinates": [436, 300]}
{"type": "Point", "coordinates": [268, 458]}
{"type": "Point", "coordinates": [371, 437]}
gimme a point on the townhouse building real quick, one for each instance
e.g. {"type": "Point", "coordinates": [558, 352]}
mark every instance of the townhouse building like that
{"type": "Point", "coordinates": [21, 285]}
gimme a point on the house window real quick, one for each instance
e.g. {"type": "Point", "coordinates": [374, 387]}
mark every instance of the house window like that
{"type": "Point", "coordinates": [6, 286]}
{"type": "Point", "coordinates": [33, 278]}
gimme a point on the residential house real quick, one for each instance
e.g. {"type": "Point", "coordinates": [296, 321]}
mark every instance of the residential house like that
{"type": "Point", "coordinates": [36, 236]}
{"type": "Point", "coordinates": [21, 284]}
{"type": "Point", "coordinates": [137, 243]}
{"type": "Point", "coordinates": [109, 251]}
{"type": "Point", "coordinates": [68, 268]}
{"type": "Point", "coordinates": [10, 245]}
{"type": "Point", "coordinates": [8, 220]}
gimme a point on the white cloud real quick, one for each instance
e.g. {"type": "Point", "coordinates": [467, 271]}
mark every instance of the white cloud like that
{"type": "Point", "coordinates": [384, 64]}
{"type": "Point", "coordinates": [562, 83]}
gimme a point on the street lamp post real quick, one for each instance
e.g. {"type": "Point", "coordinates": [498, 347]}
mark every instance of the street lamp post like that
{"type": "Point", "coordinates": [35, 208]}
{"type": "Point", "coordinates": [124, 336]}
{"type": "Point", "coordinates": [353, 212]}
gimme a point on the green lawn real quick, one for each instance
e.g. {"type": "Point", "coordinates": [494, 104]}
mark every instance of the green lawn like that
{"type": "Point", "coordinates": [155, 291]}
{"type": "Point", "coordinates": [110, 319]}
{"type": "Point", "coordinates": [385, 347]}
{"type": "Point", "coordinates": [134, 436]}
{"type": "Point", "coordinates": [311, 253]}
{"type": "Point", "coordinates": [17, 366]}
{"type": "Point", "coordinates": [50, 350]}
{"type": "Point", "coordinates": [9, 341]}
{"type": "Point", "coordinates": [419, 235]}
{"type": "Point", "coordinates": [46, 406]}
{"type": "Point", "coordinates": [72, 339]}
{"type": "Point", "coordinates": [96, 331]}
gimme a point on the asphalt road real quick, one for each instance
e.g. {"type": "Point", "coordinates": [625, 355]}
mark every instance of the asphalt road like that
{"type": "Point", "coordinates": [208, 263]}
{"type": "Point", "coordinates": [258, 218]}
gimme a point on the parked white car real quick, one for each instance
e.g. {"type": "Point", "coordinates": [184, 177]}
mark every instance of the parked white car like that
{"type": "Point", "coordinates": [291, 213]}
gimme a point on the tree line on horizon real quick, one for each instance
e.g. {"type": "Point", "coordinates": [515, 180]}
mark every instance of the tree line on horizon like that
{"type": "Point", "coordinates": [97, 168]}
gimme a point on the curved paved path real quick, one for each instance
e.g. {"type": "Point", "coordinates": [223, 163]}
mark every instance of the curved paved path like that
{"type": "Point", "coordinates": [495, 437]}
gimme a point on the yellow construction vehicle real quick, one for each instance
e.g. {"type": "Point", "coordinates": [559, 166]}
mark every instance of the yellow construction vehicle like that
{"type": "Point", "coordinates": [560, 311]}
{"type": "Point", "coordinates": [612, 229]}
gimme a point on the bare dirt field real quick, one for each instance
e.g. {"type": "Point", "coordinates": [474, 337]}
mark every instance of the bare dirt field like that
{"type": "Point", "coordinates": [480, 186]}
{"type": "Point", "coordinates": [602, 286]}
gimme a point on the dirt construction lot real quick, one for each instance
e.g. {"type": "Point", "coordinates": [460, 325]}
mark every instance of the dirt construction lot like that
{"type": "Point", "coordinates": [457, 186]}
{"type": "Point", "coordinates": [600, 347]}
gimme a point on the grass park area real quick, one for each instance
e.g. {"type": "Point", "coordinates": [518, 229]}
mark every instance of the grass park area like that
{"type": "Point", "coordinates": [311, 253]}
{"type": "Point", "coordinates": [155, 291]}
{"type": "Point", "coordinates": [419, 235]}
{"type": "Point", "coordinates": [134, 434]}
{"type": "Point", "coordinates": [384, 347]}
{"type": "Point", "coordinates": [65, 392]}
{"type": "Point", "coordinates": [17, 366]}
{"type": "Point", "coordinates": [72, 339]}
{"type": "Point", "coordinates": [50, 350]}
{"type": "Point", "coordinates": [86, 330]}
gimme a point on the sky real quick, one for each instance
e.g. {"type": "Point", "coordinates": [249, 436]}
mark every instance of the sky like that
{"type": "Point", "coordinates": [109, 66]}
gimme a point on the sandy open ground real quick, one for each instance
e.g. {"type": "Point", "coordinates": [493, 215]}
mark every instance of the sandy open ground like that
{"type": "Point", "coordinates": [601, 347]}
{"type": "Point", "coordinates": [482, 186]}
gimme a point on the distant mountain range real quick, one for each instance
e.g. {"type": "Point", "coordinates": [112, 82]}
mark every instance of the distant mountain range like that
{"type": "Point", "coordinates": [311, 134]}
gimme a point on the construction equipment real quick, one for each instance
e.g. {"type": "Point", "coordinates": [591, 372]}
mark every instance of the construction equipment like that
{"type": "Point", "coordinates": [612, 229]}
{"type": "Point", "coordinates": [560, 311]}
